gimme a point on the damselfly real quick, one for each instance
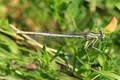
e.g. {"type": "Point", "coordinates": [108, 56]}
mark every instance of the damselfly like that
{"type": "Point", "coordinates": [91, 37]}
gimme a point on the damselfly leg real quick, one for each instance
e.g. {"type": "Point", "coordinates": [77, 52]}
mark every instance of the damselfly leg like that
{"type": "Point", "coordinates": [94, 38]}
{"type": "Point", "coordinates": [92, 43]}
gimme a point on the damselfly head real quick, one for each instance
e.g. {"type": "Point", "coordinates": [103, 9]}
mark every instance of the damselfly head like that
{"type": "Point", "coordinates": [101, 34]}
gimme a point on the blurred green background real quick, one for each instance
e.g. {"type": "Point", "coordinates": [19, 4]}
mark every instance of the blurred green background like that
{"type": "Point", "coordinates": [59, 16]}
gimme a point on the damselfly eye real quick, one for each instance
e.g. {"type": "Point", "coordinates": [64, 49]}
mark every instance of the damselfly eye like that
{"type": "Point", "coordinates": [101, 34]}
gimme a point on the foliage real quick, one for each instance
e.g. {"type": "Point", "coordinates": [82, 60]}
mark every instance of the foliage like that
{"type": "Point", "coordinates": [22, 58]}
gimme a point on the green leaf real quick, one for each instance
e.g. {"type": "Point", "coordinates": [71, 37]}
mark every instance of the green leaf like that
{"type": "Point", "coordinates": [73, 8]}
{"type": "Point", "coordinates": [101, 60]}
{"type": "Point", "coordinates": [101, 75]}
{"type": "Point", "coordinates": [118, 5]}
{"type": "Point", "coordinates": [9, 44]}
{"type": "Point", "coordinates": [45, 53]}
{"type": "Point", "coordinates": [109, 75]}
{"type": "Point", "coordinates": [56, 54]}
{"type": "Point", "coordinates": [4, 24]}
{"type": "Point", "coordinates": [46, 56]}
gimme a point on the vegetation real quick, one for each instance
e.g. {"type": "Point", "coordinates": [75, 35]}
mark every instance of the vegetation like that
{"type": "Point", "coordinates": [33, 57]}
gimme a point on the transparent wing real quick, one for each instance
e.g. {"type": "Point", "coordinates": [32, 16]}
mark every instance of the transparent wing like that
{"type": "Point", "coordinates": [56, 42]}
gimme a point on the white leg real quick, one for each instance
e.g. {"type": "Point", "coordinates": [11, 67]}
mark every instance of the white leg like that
{"type": "Point", "coordinates": [95, 40]}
